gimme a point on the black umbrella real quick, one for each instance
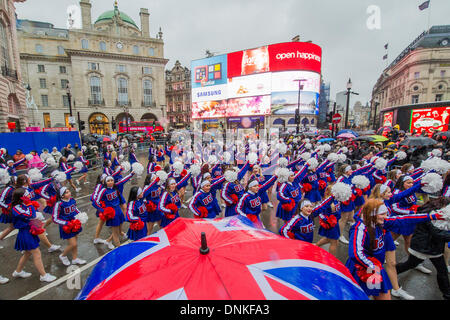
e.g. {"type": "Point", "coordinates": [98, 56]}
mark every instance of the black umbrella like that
{"type": "Point", "coordinates": [418, 142]}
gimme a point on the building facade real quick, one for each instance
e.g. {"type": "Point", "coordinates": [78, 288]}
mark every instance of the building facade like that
{"type": "Point", "coordinates": [324, 102]}
{"type": "Point", "coordinates": [105, 73]}
{"type": "Point", "coordinates": [178, 97]}
{"type": "Point", "coordinates": [418, 78]}
{"type": "Point", "coordinates": [13, 107]}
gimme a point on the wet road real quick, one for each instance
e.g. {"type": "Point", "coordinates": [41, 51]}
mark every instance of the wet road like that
{"type": "Point", "coordinates": [71, 279]}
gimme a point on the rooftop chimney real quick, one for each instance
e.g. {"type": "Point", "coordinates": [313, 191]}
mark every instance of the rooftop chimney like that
{"type": "Point", "coordinates": [86, 20]}
{"type": "Point", "coordinates": [145, 24]}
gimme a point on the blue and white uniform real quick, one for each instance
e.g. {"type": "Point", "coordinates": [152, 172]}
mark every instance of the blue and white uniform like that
{"type": "Point", "coordinates": [204, 199]}
{"type": "Point", "coordinates": [5, 201]}
{"type": "Point", "coordinates": [22, 216]}
{"type": "Point", "coordinates": [136, 211]}
{"type": "Point", "coordinates": [152, 192]}
{"type": "Point", "coordinates": [288, 191]}
{"type": "Point", "coordinates": [166, 198]}
{"type": "Point", "coordinates": [63, 212]}
{"type": "Point", "coordinates": [111, 197]}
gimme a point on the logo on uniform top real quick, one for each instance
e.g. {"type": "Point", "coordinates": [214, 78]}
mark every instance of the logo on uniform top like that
{"type": "Point", "coordinates": [69, 209]}
{"type": "Point", "coordinates": [254, 203]}
{"type": "Point", "coordinates": [294, 193]}
{"type": "Point", "coordinates": [307, 229]}
{"type": "Point", "coordinates": [111, 196]}
{"type": "Point", "coordinates": [175, 199]}
{"type": "Point", "coordinates": [155, 193]}
{"type": "Point", "coordinates": [238, 188]}
{"type": "Point", "coordinates": [207, 200]}
{"type": "Point", "coordinates": [312, 177]}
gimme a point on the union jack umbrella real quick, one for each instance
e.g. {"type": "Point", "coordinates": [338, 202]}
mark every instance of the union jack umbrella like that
{"type": "Point", "coordinates": [219, 259]}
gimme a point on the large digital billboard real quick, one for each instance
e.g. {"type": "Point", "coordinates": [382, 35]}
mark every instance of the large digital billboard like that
{"type": "Point", "coordinates": [259, 81]}
{"type": "Point", "coordinates": [430, 118]}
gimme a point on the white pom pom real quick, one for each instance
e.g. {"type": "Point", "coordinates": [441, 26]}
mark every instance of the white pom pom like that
{"type": "Point", "coordinates": [432, 183]}
{"type": "Point", "coordinates": [436, 153]}
{"type": "Point", "coordinates": [137, 168]}
{"type": "Point", "coordinates": [283, 174]}
{"type": "Point", "coordinates": [344, 149]}
{"type": "Point", "coordinates": [305, 156]}
{"type": "Point", "coordinates": [342, 158]}
{"type": "Point", "coordinates": [190, 155]}
{"type": "Point", "coordinates": [361, 182]}
{"type": "Point", "coordinates": [70, 157]}
{"type": "Point", "coordinates": [51, 161]}
{"type": "Point", "coordinates": [307, 140]}
{"type": "Point", "coordinates": [283, 162]}
{"type": "Point", "coordinates": [29, 157]}
{"type": "Point", "coordinates": [83, 217]}
{"type": "Point", "coordinates": [195, 170]}
{"type": "Point", "coordinates": [45, 156]}
{"type": "Point", "coordinates": [178, 167]}
{"type": "Point", "coordinates": [226, 157]}
{"type": "Point", "coordinates": [282, 148]}
{"type": "Point", "coordinates": [401, 155]}
{"type": "Point", "coordinates": [252, 158]}
{"type": "Point", "coordinates": [231, 175]}
{"type": "Point", "coordinates": [4, 172]}
{"type": "Point", "coordinates": [78, 166]}
{"type": "Point", "coordinates": [83, 148]}
{"type": "Point", "coordinates": [333, 157]}
{"type": "Point", "coordinates": [437, 164]}
{"type": "Point", "coordinates": [308, 146]}
{"type": "Point", "coordinates": [126, 166]}
{"type": "Point", "coordinates": [212, 159]}
{"type": "Point", "coordinates": [60, 177]}
{"type": "Point", "coordinates": [341, 191]}
{"type": "Point", "coordinates": [443, 224]}
{"type": "Point", "coordinates": [121, 157]}
{"type": "Point", "coordinates": [35, 174]}
{"type": "Point", "coordinates": [326, 147]}
{"type": "Point", "coordinates": [40, 216]}
{"type": "Point", "coordinates": [162, 175]}
{"type": "Point", "coordinates": [253, 148]}
{"type": "Point", "coordinates": [312, 163]}
{"type": "Point", "coordinates": [135, 145]}
{"type": "Point", "coordinates": [381, 163]}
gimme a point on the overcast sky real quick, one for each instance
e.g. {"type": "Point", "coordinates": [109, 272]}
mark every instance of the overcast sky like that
{"type": "Point", "coordinates": [350, 48]}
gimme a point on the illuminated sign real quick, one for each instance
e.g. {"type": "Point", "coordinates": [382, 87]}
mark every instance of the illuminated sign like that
{"type": "Point", "coordinates": [218, 92]}
{"type": "Point", "coordinates": [430, 119]}
{"type": "Point", "coordinates": [285, 81]}
{"type": "Point", "coordinates": [248, 86]}
{"type": "Point", "coordinates": [249, 106]}
{"type": "Point", "coordinates": [209, 109]}
{"type": "Point", "coordinates": [285, 103]}
{"type": "Point", "coordinates": [209, 72]}
{"type": "Point", "coordinates": [388, 119]}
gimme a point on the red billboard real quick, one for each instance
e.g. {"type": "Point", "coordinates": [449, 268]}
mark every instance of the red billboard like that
{"type": "Point", "coordinates": [430, 119]}
{"type": "Point", "coordinates": [388, 119]}
{"type": "Point", "coordinates": [276, 57]}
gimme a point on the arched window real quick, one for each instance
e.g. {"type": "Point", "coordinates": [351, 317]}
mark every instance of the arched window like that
{"type": "Point", "coordinates": [122, 90]}
{"type": "Point", "coordinates": [102, 46]}
{"type": "Point", "coordinates": [4, 43]}
{"type": "Point", "coordinates": [96, 90]}
{"type": "Point", "coordinates": [147, 89]}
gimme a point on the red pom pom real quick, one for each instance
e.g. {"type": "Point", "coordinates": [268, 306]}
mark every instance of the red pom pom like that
{"type": "Point", "coordinates": [36, 230]}
{"type": "Point", "coordinates": [183, 173]}
{"type": "Point", "coordinates": [332, 221]}
{"type": "Point", "coordinates": [414, 208]}
{"type": "Point", "coordinates": [359, 192]}
{"type": "Point", "coordinates": [322, 184]}
{"type": "Point", "coordinates": [172, 207]}
{"type": "Point", "coordinates": [324, 224]}
{"type": "Point", "coordinates": [203, 212]}
{"type": "Point", "coordinates": [108, 213]}
{"type": "Point", "coordinates": [252, 217]}
{"type": "Point", "coordinates": [157, 168]}
{"type": "Point", "coordinates": [67, 228]}
{"type": "Point", "coordinates": [291, 235]}
{"type": "Point", "coordinates": [5, 211]}
{"type": "Point", "coordinates": [26, 201]}
{"type": "Point", "coordinates": [329, 179]}
{"type": "Point", "coordinates": [35, 204]}
{"type": "Point", "coordinates": [234, 198]}
{"type": "Point", "coordinates": [307, 187]}
{"type": "Point", "coordinates": [137, 226]}
{"type": "Point", "coordinates": [289, 206]}
{"type": "Point", "coordinates": [151, 207]}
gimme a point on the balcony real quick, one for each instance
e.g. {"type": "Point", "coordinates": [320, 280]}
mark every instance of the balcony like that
{"type": "Point", "coordinates": [123, 103]}
{"type": "Point", "coordinates": [96, 102]}
{"type": "Point", "coordinates": [7, 72]}
{"type": "Point", "coordinates": [148, 104]}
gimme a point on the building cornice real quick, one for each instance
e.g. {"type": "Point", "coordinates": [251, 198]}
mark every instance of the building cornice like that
{"type": "Point", "coordinates": [115, 56]}
{"type": "Point", "coordinates": [40, 57]}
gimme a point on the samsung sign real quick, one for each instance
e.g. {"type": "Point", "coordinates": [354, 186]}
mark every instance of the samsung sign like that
{"type": "Point", "coordinates": [218, 92]}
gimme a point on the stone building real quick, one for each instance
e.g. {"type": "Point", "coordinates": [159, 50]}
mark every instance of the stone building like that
{"type": "Point", "coordinates": [12, 91]}
{"type": "Point", "coordinates": [106, 72]}
{"type": "Point", "coordinates": [178, 96]}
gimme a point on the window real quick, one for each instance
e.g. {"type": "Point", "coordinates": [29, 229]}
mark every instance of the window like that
{"type": "Point", "coordinates": [438, 97]}
{"type": "Point", "coordinates": [102, 46]}
{"type": "Point", "coordinates": [44, 100]}
{"type": "Point", "coordinates": [442, 73]}
{"type": "Point", "coordinates": [4, 43]}
{"type": "Point", "coordinates": [415, 88]}
{"type": "Point", "coordinates": [43, 83]}
{"type": "Point", "coordinates": [121, 68]}
{"type": "Point", "coordinates": [151, 51]}
{"type": "Point", "coordinates": [62, 69]}
{"type": "Point", "coordinates": [60, 50]}
{"type": "Point", "coordinates": [122, 90]}
{"type": "Point", "coordinates": [93, 66]}
{"type": "Point", "coordinates": [188, 85]}
{"type": "Point", "coordinates": [64, 83]}
{"type": "Point", "coordinates": [96, 90]}
{"type": "Point", "coordinates": [84, 44]}
{"type": "Point", "coordinates": [147, 86]}
{"type": "Point", "coordinates": [39, 48]}
{"type": "Point", "coordinates": [416, 75]}
{"type": "Point", "coordinates": [146, 70]}
{"type": "Point", "coordinates": [41, 68]}
{"type": "Point", "coordinates": [65, 99]}
{"type": "Point", "coordinates": [135, 49]}
{"type": "Point", "coordinates": [47, 122]}
{"type": "Point", "coordinates": [415, 99]}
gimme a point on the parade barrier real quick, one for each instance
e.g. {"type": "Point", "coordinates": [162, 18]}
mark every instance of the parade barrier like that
{"type": "Point", "coordinates": [29, 141]}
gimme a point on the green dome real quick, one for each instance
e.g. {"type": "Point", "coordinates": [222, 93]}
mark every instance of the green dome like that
{"type": "Point", "coordinates": [108, 15]}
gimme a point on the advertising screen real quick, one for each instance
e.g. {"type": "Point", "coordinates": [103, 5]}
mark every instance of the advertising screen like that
{"type": "Point", "coordinates": [209, 72]}
{"type": "Point", "coordinates": [249, 106]}
{"type": "Point", "coordinates": [428, 119]}
{"type": "Point", "coordinates": [209, 109]}
{"type": "Point", "coordinates": [209, 93]}
{"type": "Point", "coordinates": [285, 103]}
{"type": "Point", "coordinates": [284, 81]}
{"type": "Point", "coordinates": [248, 86]}
{"type": "Point", "coordinates": [388, 119]}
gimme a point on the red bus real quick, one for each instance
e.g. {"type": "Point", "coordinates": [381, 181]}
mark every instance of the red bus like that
{"type": "Point", "coordinates": [140, 126]}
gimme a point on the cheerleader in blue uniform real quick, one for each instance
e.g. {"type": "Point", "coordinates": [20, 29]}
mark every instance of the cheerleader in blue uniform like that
{"type": "Point", "coordinates": [11, 166]}
{"type": "Point", "coordinates": [161, 156]}
{"type": "Point", "coordinates": [367, 247]}
{"type": "Point", "coordinates": [152, 165]}
{"type": "Point", "coordinates": [5, 204]}
{"type": "Point", "coordinates": [64, 167]}
{"type": "Point", "coordinates": [250, 204]}
{"type": "Point", "coordinates": [152, 193]}
{"type": "Point", "coordinates": [310, 184]}
{"type": "Point", "coordinates": [64, 214]}
{"type": "Point", "coordinates": [136, 214]}
{"type": "Point", "coordinates": [232, 190]}
{"type": "Point", "coordinates": [290, 194]}
{"type": "Point", "coordinates": [98, 187]}
{"type": "Point", "coordinates": [169, 203]}
{"type": "Point", "coordinates": [49, 194]}
{"type": "Point", "coordinates": [132, 157]}
{"type": "Point", "coordinates": [115, 166]}
{"type": "Point", "coordinates": [258, 176]}
{"type": "Point", "coordinates": [84, 169]}
{"type": "Point", "coordinates": [203, 204]}
{"type": "Point", "coordinates": [24, 217]}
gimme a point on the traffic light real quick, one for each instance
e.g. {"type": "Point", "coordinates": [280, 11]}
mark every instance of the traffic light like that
{"type": "Point", "coordinates": [297, 116]}
{"type": "Point", "coordinates": [113, 125]}
{"type": "Point", "coordinates": [330, 117]}
{"type": "Point", "coordinates": [82, 125]}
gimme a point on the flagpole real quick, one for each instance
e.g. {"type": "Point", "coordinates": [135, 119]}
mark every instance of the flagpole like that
{"type": "Point", "coordinates": [429, 16]}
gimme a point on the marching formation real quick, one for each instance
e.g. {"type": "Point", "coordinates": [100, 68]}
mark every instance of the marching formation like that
{"type": "Point", "coordinates": [301, 183]}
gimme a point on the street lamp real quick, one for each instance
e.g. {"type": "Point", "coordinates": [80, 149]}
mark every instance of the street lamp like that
{"type": "Point", "coordinates": [297, 118]}
{"type": "Point", "coordinates": [125, 109]}
{"type": "Point", "coordinates": [349, 92]}
{"type": "Point", "coordinates": [376, 103]}
{"type": "Point", "coordinates": [69, 98]}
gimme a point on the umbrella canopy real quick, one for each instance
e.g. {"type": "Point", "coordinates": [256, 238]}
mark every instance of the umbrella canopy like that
{"type": "Point", "coordinates": [373, 138]}
{"type": "Point", "coordinates": [383, 129]}
{"type": "Point", "coordinates": [327, 140]}
{"type": "Point", "coordinates": [348, 131]}
{"type": "Point", "coordinates": [346, 136]}
{"type": "Point", "coordinates": [418, 142]}
{"type": "Point", "coordinates": [106, 139]}
{"type": "Point", "coordinates": [219, 259]}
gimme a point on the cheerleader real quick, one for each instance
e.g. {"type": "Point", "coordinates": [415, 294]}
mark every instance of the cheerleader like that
{"type": "Point", "coordinates": [24, 218]}
{"type": "Point", "coordinates": [250, 204]}
{"type": "Point", "coordinates": [232, 190]}
{"type": "Point", "coordinates": [152, 165]}
{"type": "Point", "coordinates": [132, 156]}
{"type": "Point", "coordinates": [65, 214]}
{"type": "Point", "coordinates": [93, 198]}
{"type": "Point", "coordinates": [367, 246]}
{"type": "Point", "coordinates": [49, 194]}
{"type": "Point", "coordinates": [136, 214]}
{"type": "Point", "coordinates": [84, 169]}
{"type": "Point", "coordinates": [258, 176]}
{"type": "Point", "coordinates": [152, 193]}
{"type": "Point", "coordinates": [169, 203]}
{"type": "Point", "coordinates": [160, 156]}
{"type": "Point", "coordinates": [5, 204]}
{"type": "Point", "coordinates": [203, 204]}
{"type": "Point", "coordinates": [310, 183]}
{"type": "Point", "coordinates": [11, 166]}
{"type": "Point", "coordinates": [64, 167]}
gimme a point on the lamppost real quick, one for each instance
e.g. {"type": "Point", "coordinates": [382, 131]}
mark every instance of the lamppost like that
{"type": "Point", "coordinates": [125, 109]}
{"type": "Point", "coordinates": [376, 102]}
{"type": "Point", "coordinates": [69, 98]}
{"type": "Point", "coordinates": [349, 92]}
{"type": "Point", "coordinates": [297, 118]}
